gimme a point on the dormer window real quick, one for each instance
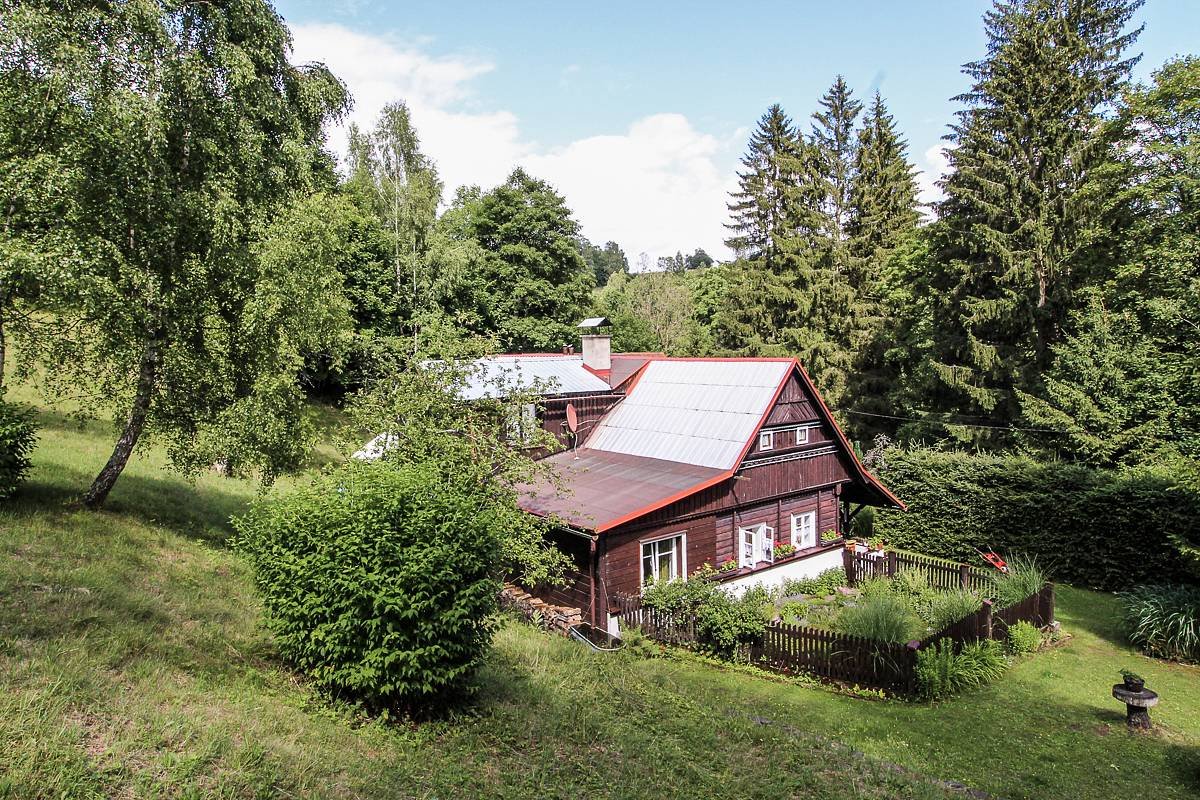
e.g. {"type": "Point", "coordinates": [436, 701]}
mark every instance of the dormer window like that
{"type": "Point", "coordinates": [766, 440]}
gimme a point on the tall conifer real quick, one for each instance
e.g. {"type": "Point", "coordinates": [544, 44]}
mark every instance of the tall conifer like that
{"type": "Point", "coordinates": [764, 206]}
{"type": "Point", "coordinates": [835, 142]}
{"type": "Point", "coordinates": [1020, 211]}
{"type": "Point", "coordinates": [883, 214]}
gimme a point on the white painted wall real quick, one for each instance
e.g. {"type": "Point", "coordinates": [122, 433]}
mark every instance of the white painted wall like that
{"type": "Point", "coordinates": [792, 570]}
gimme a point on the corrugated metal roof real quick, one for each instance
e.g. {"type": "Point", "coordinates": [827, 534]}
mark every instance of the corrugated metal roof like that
{"type": "Point", "coordinates": [700, 412]}
{"type": "Point", "coordinates": [606, 487]}
{"type": "Point", "coordinates": [495, 376]}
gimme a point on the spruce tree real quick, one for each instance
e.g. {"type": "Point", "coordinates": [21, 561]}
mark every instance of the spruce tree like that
{"type": "Point", "coordinates": [764, 206]}
{"type": "Point", "coordinates": [1021, 206]}
{"type": "Point", "coordinates": [883, 207]}
{"type": "Point", "coordinates": [883, 214]}
{"type": "Point", "coordinates": [835, 142]}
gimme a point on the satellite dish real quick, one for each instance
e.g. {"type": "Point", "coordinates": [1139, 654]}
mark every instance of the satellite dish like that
{"type": "Point", "coordinates": [572, 418]}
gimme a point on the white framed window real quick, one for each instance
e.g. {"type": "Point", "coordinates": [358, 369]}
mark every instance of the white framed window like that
{"type": "Point", "coordinates": [756, 543]}
{"type": "Point", "coordinates": [664, 559]}
{"type": "Point", "coordinates": [804, 530]}
{"type": "Point", "coordinates": [766, 440]}
{"type": "Point", "coordinates": [801, 435]}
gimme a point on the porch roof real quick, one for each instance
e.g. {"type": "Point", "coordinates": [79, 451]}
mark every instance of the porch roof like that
{"type": "Point", "coordinates": [603, 489]}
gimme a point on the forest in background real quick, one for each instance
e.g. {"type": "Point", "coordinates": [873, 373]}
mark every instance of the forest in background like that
{"type": "Point", "coordinates": [181, 249]}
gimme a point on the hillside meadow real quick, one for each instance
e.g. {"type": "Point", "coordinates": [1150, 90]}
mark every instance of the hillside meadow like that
{"type": "Point", "coordinates": [133, 664]}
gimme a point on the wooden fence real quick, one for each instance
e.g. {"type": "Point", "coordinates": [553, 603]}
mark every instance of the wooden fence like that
{"type": "Point", "coordinates": [939, 573]}
{"type": "Point", "coordinates": [864, 662]}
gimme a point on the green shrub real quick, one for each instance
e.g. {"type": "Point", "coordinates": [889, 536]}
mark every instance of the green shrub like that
{"type": "Point", "coordinates": [1164, 620]}
{"type": "Point", "coordinates": [1063, 514]}
{"type": "Point", "coordinates": [18, 432]}
{"type": "Point", "coordinates": [883, 617]}
{"type": "Point", "coordinates": [793, 611]}
{"type": "Point", "coordinates": [826, 582]}
{"type": "Point", "coordinates": [378, 582]}
{"type": "Point", "coordinates": [935, 670]}
{"type": "Point", "coordinates": [1024, 578]}
{"type": "Point", "coordinates": [941, 672]}
{"type": "Point", "coordinates": [872, 587]}
{"type": "Point", "coordinates": [639, 644]}
{"type": "Point", "coordinates": [724, 623]}
{"type": "Point", "coordinates": [1023, 638]}
{"type": "Point", "coordinates": [913, 586]}
{"type": "Point", "coordinates": [946, 608]}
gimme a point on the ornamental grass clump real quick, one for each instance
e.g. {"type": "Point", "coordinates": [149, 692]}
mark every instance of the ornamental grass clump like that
{"type": "Point", "coordinates": [379, 582]}
{"type": "Point", "coordinates": [1164, 620]}
{"type": "Point", "coordinates": [1025, 577]}
{"type": "Point", "coordinates": [883, 617]}
{"type": "Point", "coordinates": [946, 608]}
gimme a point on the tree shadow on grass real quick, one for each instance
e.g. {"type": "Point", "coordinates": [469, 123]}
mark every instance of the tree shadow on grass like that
{"type": "Point", "coordinates": [199, 512]}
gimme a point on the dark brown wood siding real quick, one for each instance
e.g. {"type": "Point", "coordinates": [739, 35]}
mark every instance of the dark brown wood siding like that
{"type": "Point", "coordinates": [589, 408]}
{"type": "Point", "coordinates": [711, 538]}
{"type": "Point", "coordinates": [794, 405]}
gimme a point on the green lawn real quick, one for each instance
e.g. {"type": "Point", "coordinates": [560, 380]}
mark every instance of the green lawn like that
{"type": "Point", "coordinates": [132, 664]}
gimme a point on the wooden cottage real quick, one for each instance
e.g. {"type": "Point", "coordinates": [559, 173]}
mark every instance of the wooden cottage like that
{"type": "Point", "coordinates": [680, 462]}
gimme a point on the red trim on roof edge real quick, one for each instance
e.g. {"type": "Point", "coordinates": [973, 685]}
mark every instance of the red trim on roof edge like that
{"type": "Point", "coordinates": [866, 476]}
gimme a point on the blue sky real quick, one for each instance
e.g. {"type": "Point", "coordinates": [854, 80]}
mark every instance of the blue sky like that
{"type": "Point", "coordinates": [638, 112]}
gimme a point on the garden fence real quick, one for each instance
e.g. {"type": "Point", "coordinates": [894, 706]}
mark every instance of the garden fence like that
{"type": "Point", "coordinates": [940, 574]}
{"type": "Point", "coordinates": [851, 659]}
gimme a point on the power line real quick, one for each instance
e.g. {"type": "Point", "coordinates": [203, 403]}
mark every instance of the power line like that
{"type": "Point", "coordinates": [951, 422]}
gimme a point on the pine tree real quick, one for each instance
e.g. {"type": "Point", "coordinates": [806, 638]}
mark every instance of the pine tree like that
{"type": "Point", "coordinates": [1021, 206]}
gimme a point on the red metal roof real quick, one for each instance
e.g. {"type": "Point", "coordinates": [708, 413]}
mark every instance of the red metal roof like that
{"type": "Point", "coordinates": [603, 489]}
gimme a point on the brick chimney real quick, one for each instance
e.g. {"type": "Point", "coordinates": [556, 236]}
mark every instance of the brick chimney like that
{"type": "Point", "coordinates": [597, 343]}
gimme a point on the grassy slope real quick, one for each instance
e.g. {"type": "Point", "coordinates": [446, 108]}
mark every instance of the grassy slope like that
{"type": "Point", "coordinates": [131, 663]}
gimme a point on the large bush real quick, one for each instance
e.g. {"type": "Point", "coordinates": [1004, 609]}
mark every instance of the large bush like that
{"type": "Point", "coordinates": [1105, 529]}
{"type": "Point", "coordinates": [17, 436]}
{"type": "Point", "coordinates": [378, 581]}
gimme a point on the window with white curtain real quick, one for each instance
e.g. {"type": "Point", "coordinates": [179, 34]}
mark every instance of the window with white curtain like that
{"type": "Point", "coordinates": [804, 530]}
{"type": "Point", "coordinates": [662, 559]}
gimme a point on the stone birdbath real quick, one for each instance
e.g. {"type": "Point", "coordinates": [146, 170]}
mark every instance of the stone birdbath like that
{"type": "Point", "coordinates": [1138, 701]}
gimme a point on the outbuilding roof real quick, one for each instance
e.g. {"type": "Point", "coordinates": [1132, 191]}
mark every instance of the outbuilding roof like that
{"type": "Point", "coordinates": [552, 374]}
{"type": "Point", "coordinates": [692, 411]}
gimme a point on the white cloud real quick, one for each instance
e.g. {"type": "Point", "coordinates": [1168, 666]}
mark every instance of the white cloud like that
{"type": "Point", "coordinates": [934, 165]}
{"type": "Point", "coordinates": [655, 187]}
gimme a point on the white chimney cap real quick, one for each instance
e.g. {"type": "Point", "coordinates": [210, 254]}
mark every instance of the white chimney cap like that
{"type": "Point", "coordinates": [594, 322]}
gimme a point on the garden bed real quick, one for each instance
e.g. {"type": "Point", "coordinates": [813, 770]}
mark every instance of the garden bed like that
{"type": "Point", "coordinates": [897, 633]}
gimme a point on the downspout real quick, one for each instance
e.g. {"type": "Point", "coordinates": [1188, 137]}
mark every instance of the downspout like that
{"type": "Point", "coordinates": [592, 578]}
